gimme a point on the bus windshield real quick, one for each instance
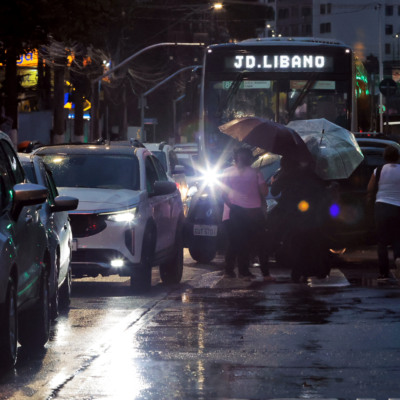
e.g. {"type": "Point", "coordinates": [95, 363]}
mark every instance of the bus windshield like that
{"type": "Point", "coordinates": [277, 80]}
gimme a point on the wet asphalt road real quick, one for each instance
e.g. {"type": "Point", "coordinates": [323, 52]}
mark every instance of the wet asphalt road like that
{"type": "Point", "coordinates": [214, 338]}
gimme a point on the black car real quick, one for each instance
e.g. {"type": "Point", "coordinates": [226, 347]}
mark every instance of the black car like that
{"type": "Point", "coordinates": [351, 222]}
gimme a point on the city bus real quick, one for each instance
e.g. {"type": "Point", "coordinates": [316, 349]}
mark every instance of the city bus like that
{"type": "Point", "coordinates": [281, 79]}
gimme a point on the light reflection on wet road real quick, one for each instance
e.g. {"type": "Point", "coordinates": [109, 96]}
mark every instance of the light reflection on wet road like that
{"type": "Point", "coordinates": [212, 338]}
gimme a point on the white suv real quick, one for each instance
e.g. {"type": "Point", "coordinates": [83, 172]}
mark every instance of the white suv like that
{"type": "Point", "coordinates": [130, 216]}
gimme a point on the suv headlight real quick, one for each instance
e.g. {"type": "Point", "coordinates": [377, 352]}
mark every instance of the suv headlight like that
{"type": "Point", "coordinates": [122, 216]}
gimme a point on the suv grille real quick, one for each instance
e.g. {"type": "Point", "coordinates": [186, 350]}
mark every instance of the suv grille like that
{"type": "Point", "coordinates": [84, 225]}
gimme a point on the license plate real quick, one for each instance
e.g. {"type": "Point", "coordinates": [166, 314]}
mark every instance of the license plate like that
{"type": "Point", "coordinates": [74, 244]}
{"type": "Point", "coordinates": [205, 230]}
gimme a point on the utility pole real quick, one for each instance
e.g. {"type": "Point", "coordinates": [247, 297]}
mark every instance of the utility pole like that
{"type": "Point", "coordinates": [379, 8]}
{"type": "Point", "coordinates": [145, 94]}
{"type": "Point", "coordinates": [93, 124]}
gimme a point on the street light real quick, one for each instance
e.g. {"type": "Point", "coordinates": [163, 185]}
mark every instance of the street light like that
{"type": "Point", "coordinates": [380, 57]}
{"type": "Point", "coordinates": [396, 36]}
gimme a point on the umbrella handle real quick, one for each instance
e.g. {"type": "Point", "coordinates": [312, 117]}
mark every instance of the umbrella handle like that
{"type": "Point", "coordinates": [322, 135]}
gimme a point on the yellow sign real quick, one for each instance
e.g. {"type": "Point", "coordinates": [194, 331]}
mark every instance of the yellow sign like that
{"type": "Point", "coordinates": [28, 60]}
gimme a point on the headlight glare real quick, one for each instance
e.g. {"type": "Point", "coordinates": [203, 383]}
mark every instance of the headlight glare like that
{"type": "Point", "coordinates": [122, 216]}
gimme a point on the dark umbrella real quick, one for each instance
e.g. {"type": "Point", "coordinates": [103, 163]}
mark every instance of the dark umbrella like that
{"type": "Point", "coordinates": [269, 136]}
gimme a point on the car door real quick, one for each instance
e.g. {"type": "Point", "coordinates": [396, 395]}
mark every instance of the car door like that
{"type": "Point", "coordinates": [171, 207]}
{"type": "Point", "coordinates": [7, 243]}
{"type": "Point", "coordinates": [159, 204]}
{"type": "Point", "coordinates": [60, 224]}
{"type": "Point", "coordinates": [28, 230]}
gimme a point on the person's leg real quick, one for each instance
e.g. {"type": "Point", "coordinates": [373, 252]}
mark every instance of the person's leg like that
{"type": "Point", "coordinates": [382, 219]}
{"type": "Point", "coordinates": [245, 243]}
{"type": "Point", "coordinates": [260, 239]}
{"type": "Point", "coordinates": [394, 231]}
{"type": "Point", "coordinates": [231, 250]}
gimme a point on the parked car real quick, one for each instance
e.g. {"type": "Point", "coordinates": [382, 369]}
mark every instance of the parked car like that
{"type": "Point", "coordinates": [54, 217]}
{"type": "Point", "coordinates": [354, 223]}
{"type": "Point", "coordinates": [187, 155]}
{"type": "Point", "coordinates": [24, 259]}
{"type": "Point", "coordinates": [169, 160]}
{"type": "Point", "coordinates": [129, 217]}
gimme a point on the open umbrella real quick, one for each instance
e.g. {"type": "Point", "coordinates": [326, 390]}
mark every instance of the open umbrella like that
{"type": "Point", "coordinates": [269, 136]}
{"type": "Point", "coordinates": [334, 149]}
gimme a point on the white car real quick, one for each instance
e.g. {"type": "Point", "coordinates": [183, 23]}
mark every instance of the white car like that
{"type": "Point", "coordinates": [130, 216]}
{"type": "Point", "coordinates": [54, 216]}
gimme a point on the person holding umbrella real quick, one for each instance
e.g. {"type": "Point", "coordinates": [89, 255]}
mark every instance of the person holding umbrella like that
{"type": "Point", "coordinates": [299, 219]}
{"type": "Point", "coordinates": [243, 190]}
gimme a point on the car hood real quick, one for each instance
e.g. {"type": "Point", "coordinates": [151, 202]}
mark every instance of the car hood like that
{"type": "Point", "coordinates": [91, 199]}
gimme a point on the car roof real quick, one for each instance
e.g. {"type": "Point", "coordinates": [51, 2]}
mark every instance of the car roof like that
{"type": "Point", "coordinates": [107, 148]}
{"type": "Point", "coordinates": [377, 143]}
{"type": "Point", "coordinates": [163, 146]}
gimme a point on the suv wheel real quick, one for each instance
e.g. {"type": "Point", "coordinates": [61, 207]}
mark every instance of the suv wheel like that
{"type": "Point", "coordinates": [141, 275]}
{"type": "Point", "coordinates": [171, 270]}
{"type": "Point", "coordinates": [203, 251]}
{"type": "Point", "coordinates": [9, 328]}
{"type": "Point", "coordinates": [35, 324]}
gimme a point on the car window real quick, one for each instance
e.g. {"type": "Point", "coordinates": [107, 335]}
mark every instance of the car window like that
{"type": "Point", "coordinates": [29, 171]}
{"type": "Point", "coordinates": [6, 185]}
{"type": "Point", "coordinates": [188, 161]}
{"type": "Point", "coordinates": [173, 160]}
{"type": "Point", "coordinates": [4, 196]}
{"type": "Point", "coordinates": [162, 158]}
{"type": "Point", "coordinates": [162, 175]}
{"type": "Point", "coordinates": [13, 165]}
{"type": "Point", "coordinates": [53, 192]}
{"type": "Point", "coordinates": [114, 171]}
{"type": "Point", "coordinates": [151, 174]}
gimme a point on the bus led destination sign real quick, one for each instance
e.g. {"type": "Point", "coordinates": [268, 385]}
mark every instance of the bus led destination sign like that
{"type": "Point", "coordinates": [279, 62]}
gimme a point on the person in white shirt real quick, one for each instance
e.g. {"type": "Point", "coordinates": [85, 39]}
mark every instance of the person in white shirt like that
{"type": "Point", "coordinates": [387, 210]}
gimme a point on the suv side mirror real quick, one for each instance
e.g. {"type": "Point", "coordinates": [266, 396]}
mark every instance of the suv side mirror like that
{"type": "Point", "coordinates": [64, 203]}
{"type": "Point", "coordinates": [27, 194]}
{"type": "Point", "coordinates": [163, 188]}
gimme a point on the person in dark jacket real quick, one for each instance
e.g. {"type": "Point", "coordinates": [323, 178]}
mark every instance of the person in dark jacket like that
{"type": "Point", "coordinates": [299, 219]}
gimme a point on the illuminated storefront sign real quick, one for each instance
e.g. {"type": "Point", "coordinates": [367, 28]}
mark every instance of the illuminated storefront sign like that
{"type": "Point", "coordinates": [279, 62]}
{"type": "Point", "coordinates": [28, 60]}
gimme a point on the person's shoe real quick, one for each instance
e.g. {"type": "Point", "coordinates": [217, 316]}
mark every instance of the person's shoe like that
{"type": "Point", "coordinates": [229, 274]}
{"type": "Point", "coordinates": [269, 278]}
{"type": "Point", "coordinates": [382, 278]}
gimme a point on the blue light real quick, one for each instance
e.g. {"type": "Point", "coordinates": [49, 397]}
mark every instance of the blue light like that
{"type": "Point", "coordinates": [334, 210]}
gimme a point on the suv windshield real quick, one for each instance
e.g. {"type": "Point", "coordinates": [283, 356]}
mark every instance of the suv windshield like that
{"type": "Point", "coordinates": [94, 170]}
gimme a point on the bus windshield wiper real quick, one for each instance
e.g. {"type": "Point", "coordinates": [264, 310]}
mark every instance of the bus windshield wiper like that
{"type": "Point", "coordinates": [230, 94]}
{"type": "Point", "coordinates": [301, 96]}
